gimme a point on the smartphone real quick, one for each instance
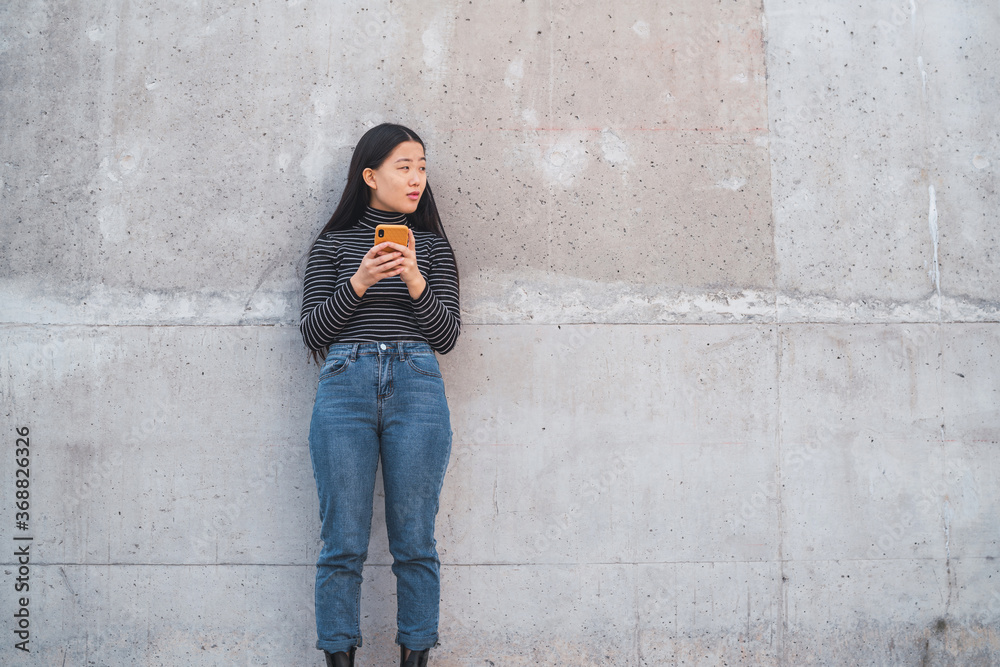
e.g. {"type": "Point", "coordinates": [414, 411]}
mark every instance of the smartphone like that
{"type": "Point", "coordinates": [396, 233]}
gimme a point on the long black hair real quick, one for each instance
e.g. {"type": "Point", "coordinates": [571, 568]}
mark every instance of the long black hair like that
{"type": "Point", "coordinates": [372, 150]}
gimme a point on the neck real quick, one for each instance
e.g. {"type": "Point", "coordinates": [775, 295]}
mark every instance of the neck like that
{"type": "Point", "coordinates": [373, 216]}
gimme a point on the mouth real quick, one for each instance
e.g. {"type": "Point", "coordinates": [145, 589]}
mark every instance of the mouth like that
{"type": "Point", "coordinates": [415, 195]}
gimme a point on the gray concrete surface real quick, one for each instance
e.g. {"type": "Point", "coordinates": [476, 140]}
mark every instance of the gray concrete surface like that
{"type": "Point", "coordinates": [727, 390]}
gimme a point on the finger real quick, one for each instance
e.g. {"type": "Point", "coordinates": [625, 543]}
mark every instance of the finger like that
{"type": "Point", "coordinates": [379, 260]}
{"type": "Point", "coordinates": [411, 243]}
{"type": "Point", "coordinates": [387, 267]}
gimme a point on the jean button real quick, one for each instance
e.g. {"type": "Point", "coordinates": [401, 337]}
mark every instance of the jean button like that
{"type": "Point", "coordinates": [382, 346]}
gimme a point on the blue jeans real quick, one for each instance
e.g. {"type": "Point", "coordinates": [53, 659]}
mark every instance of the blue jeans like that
{"type": "Point", "coordinates": [379, 401]}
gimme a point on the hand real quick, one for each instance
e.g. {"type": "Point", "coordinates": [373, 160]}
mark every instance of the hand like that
{"type": "Point", "coordinates": [376, 265]}
{"type": "Point", "coordinates": [410, 273]}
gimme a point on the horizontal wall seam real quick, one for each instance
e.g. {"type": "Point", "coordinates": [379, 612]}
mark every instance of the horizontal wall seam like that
{"type": "Point", "coordinates": [756, 323]}
{"type": "Point", "coordinates": [510, 564]}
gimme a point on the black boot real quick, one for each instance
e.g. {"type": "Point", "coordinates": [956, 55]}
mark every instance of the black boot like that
{"type": "Point", "coordinates": [340, 658]}
{"type": "Point", "coordinates": [416, 659]}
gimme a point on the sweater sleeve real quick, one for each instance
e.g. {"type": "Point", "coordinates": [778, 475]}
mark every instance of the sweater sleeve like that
{"type": "Point", "coordinates": [437, 309]}
{"type": "Point", "coordinates": [326, 307]}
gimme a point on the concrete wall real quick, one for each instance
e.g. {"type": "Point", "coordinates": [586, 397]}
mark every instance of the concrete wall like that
{"type": "Point", "coordinates": [728, 386]}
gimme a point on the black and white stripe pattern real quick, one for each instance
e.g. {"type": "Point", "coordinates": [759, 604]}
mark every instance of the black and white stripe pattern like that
{"type": "Point", "coordinates": [333, 313]}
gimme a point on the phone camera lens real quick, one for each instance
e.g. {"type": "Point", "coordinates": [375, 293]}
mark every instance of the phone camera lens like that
{"type": "Point", "coordinates": [381, 233]}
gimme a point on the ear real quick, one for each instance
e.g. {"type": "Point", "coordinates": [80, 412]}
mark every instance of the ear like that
{"type": "Point", "coordinates": [369, 176]}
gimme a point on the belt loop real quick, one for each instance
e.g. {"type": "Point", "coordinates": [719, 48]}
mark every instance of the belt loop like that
{"type": "Point", "coordinates": [402, 351]}
{"type": "Point", "coordinates": [354, 351]}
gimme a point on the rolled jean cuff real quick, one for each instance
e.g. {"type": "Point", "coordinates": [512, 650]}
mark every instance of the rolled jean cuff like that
{"type": "Point", "coordinates": [416, 642]}
{"type": "Point", "coordinates": [333, 647]}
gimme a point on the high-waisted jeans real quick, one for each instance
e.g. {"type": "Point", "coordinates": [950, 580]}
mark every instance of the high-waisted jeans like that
{"type": "Point", "coordinates": [379, 401]}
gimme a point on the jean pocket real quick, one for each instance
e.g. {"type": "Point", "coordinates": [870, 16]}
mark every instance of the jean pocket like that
{"type": "Point", "coordinates": [425, 364]}
{"type": "Point", "coordinates": [334, 366]}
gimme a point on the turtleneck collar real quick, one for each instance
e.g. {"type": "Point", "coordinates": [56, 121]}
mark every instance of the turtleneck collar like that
{"type": "Point", "coordinates": [372, 217]}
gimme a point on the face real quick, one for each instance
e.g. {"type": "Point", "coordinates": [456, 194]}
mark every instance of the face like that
{"type": "Point", "coordinates": [399, 181]}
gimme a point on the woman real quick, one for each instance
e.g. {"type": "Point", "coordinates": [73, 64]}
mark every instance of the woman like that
{"type": "Point", "coordinates": [376, 313]}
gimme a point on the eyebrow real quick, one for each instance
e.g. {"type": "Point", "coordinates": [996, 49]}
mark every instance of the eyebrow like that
{"type": "Point", "coordinates": [406, 159]}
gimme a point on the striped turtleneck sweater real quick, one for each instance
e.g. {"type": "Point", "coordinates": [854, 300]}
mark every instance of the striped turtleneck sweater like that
{"type": "Point", "coordinates": [332, 312]}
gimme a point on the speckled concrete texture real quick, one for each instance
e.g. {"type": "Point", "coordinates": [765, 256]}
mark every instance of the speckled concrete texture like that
{"type": "Point", "coordinates": [883, 147]}
{"type": "Point", "coordinates": [727, 387]}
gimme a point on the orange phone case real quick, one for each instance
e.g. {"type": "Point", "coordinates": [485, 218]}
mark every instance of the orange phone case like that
{"type": "Point", "coordinates": [395, 233]}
